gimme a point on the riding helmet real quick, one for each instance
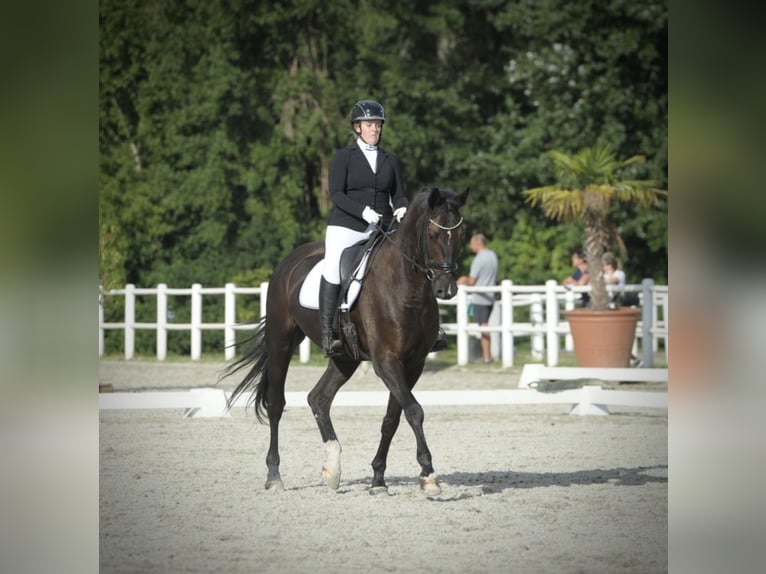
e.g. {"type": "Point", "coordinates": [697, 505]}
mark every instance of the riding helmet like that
{"type": "Point", "coordinates": [367, 110]}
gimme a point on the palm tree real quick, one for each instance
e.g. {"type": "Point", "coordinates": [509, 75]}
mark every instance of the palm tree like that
{"type": "Point", "coordinates": [588, 183]}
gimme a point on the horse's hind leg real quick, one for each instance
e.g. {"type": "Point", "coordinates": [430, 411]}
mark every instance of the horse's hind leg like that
{"type": "Point", "coordinates": [279, 362]}
{"type": "Point", "coordinates": [274, 479]}
{"type": "Point", "coordinates": [320, 400]}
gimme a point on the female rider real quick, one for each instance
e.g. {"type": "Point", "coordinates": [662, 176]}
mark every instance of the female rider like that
{"type": "Point", "coordinates": [366, 188]}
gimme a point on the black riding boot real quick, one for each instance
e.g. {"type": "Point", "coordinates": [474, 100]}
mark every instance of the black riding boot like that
{"type": "Point", "coordinates": [328, 305]}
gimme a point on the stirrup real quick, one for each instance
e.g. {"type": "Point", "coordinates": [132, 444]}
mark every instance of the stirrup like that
{"type": "Point", "coordinates": [334, 350]}
{"type": "Point", "coordinates": [331, 347]}
{"type": "Point", "coordinates": [441, 342]}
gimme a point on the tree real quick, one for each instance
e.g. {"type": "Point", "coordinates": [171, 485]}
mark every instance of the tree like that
{"type": "Point", "coordinates": [218, 120]}
{"type": "Point", "coordinates": [588, 182]}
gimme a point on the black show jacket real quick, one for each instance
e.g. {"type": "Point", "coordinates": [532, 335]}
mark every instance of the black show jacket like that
{"type": "Point", "coordinates": [354, 186]}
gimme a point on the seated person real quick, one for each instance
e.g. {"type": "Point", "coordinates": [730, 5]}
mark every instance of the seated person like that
{"type": "Point", "coordinates": [579, 275]}
{"type": "Point", "coordinates": [614, 277]}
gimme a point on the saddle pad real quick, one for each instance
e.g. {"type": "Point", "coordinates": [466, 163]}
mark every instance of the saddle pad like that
{"type": "Point", "coordinates": [309, 294]}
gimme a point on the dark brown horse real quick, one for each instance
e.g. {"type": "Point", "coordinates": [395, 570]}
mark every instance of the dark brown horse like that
{"type": "Point", "coordinates": [397, 321]}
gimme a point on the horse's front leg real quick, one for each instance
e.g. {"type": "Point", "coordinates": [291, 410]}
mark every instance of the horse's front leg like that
{"type": "Point", "coordinates": [387, 432]}
{"type": "Point", "coordinates": [413, 412]}
{"type": "Point", "coordinates": [393, 375]}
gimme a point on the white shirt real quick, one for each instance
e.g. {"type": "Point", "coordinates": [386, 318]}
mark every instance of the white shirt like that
{"type": "Point", "coordinates": [370, 152]}
{"type": "Point", "coordinates": [618, 274]}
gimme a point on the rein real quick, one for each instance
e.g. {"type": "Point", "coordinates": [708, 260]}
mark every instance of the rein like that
{"type": "Point", "coordinates": [430, 266]}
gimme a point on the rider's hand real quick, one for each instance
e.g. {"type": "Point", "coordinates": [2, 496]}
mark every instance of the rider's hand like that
{"type": "Point", "coordinates": [370, 215]}
{"type": "Point", "coordinates": [399, 214]}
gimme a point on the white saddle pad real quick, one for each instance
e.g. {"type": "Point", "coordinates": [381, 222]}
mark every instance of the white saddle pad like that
{"type": "Point", "coordinates": [309, 295]}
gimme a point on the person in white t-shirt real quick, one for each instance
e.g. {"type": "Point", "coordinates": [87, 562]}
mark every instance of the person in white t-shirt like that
{"type": "Point", "coordinates": [614, 277]}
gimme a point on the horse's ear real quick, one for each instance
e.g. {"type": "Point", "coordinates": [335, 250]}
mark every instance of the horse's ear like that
{"type": "Point", "coordinates": [463, 197]}
{"type": "Point", "coordinates": [434, 197]}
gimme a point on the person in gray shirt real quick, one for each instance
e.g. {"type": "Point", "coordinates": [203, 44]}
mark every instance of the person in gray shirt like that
{"type": "Point", "coordinates": [483, 272]}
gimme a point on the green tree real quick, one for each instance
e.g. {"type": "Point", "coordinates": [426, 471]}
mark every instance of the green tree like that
{"type": "Point", "coordinates": [568, 74]}
{"type": "Point", "coordinates": [587, 184]}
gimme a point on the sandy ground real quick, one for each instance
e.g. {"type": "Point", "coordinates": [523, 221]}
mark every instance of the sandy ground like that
{"type": "Point", "coordinates": [525, 488]}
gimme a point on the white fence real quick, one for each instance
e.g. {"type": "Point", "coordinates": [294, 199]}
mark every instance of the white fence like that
{"type": "Point", "coordinates": [545, 326]}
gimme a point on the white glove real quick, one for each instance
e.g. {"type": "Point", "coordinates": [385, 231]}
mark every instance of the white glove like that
{"type": "Point", "coordinates": [399, 213]}
{"type": "Point", "coordinates": [370, 216]}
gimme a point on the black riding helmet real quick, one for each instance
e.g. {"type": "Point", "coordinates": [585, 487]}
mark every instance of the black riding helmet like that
{"type": "Point", "coordinates": [367, 110]}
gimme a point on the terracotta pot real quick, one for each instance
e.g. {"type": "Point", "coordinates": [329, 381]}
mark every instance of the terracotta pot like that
{"type": "Point", "coordinates": [603, 338]}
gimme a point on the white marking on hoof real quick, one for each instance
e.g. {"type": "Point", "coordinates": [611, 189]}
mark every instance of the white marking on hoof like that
{"type": "Point", "coordinates": [430, 485]}
{"type": "Point", "coordinates": [274, 485]}
{"type": "Point", "coordinates": [378, 490]}
{"type": "Point", "coordinates": [331, 468]}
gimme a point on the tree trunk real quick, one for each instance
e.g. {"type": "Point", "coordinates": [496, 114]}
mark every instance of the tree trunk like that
{"type": "Point", "coordinates": [596, 237]}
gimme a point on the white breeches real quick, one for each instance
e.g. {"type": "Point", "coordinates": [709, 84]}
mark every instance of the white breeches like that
{"type": "Point", "coordinates": [336, 240]}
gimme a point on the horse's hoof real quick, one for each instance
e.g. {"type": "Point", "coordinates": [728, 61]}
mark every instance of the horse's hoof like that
{"type": "Point", "coordinates": [274, 485]}
{"type": "Point", "coordinates": [430, 485]}
{"type": "Point", "coordinates": [378, 490]}
{"type": "Point", "coordinates": [332, 480]}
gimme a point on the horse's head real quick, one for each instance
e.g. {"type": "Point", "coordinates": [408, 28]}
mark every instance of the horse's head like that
{"type": "Point", "coordinates": [441, 237]}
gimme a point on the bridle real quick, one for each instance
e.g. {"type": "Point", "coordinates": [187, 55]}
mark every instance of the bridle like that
{"type": "Point", "coordinates": [431, 267]}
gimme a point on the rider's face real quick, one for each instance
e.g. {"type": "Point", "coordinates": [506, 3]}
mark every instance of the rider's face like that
{"type": "Point", "coordinates": [369, 130]}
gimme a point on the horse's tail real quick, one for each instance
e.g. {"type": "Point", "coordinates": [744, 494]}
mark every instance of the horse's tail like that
{"type": "Point", "coordinates": [256, 380]}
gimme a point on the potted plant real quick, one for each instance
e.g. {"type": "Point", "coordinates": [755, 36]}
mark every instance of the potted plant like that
{"type": "Point", "coordinates": [588, 183]}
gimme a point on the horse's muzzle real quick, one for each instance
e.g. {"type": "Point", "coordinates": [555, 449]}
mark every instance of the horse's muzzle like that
{"type": "Point", "coordinates": [444, 286]}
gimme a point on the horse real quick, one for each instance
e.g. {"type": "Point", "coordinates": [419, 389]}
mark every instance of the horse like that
{"type": "Point", "coordinates": [396, 316]}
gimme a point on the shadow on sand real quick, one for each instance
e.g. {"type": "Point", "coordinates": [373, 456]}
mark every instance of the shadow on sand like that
{"type": "Point", "coordinates": [494, 481]}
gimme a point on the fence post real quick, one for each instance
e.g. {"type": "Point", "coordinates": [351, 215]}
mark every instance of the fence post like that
{"type": "Point", "coordinates": [100, 324]}
{"type": "Point", "coordinates": [462, 325]}
{"type": "Point", "coordinates": [506, 335]}
{"type": "Point", "coordinates": [647, 317]}
{"type": "Point", "coordinates": [552, 322]}
{"type": "Point", "coordinates": [569, 304]}
{"type": "Point", "coordinates": [536, 319]}
{"type": "Point", "coordinates": [263, 300]}
{"type": "Point", "coordinates": [229, 319]}
{"type": "Point", "coordinates": [162, 321]}
{"type": "Point", "coordinates": [196, 321]}
{"type": "Point", "coordinates": [130, 320]}
{"type": "Point", "coordinates": [304, 350]}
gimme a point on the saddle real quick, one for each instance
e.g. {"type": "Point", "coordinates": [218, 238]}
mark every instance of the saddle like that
{"type": "Point", "coordinates": [354, 265]}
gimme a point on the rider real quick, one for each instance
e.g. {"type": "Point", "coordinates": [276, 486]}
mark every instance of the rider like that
{"type": "Point", "coordinates": [366, 188]}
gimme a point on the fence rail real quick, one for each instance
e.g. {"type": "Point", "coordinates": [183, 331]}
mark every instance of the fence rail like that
{"type": "Point", "coordinates": [545, 326]}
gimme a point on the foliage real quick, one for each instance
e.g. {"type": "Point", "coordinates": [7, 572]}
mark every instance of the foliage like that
{"type": "Point", "coordinates": [218, 121]}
